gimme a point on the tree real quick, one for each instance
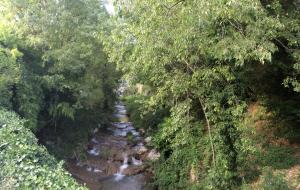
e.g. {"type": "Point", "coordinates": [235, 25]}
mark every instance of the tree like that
{"type": "Point", "coordinates": [63, 68]}
{"type": "Point", "coordinates": [193, 55]}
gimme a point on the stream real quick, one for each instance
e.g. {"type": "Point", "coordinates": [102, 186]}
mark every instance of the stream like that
{"type": "Point", "coordinates": [115, 157]}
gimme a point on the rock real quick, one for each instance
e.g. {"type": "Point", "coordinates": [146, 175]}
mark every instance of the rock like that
{"type": "Point", "coordinates": [97, 170]}
{"type": "Point", "coordinates": [120, 125]}
{"type": "Point", "coordinates": [133, 170]}
{"type": "Point", "coordinates": [120, 133]}
{"type": "Point", "coordinates": [111, 169]}
{"type": "Point", "coordinates": [93, 152]}
{"type": "Point", "coordinates": [117, 156]}
{"type": "Point", "coordinates": [95, 130]}
{"type": "Point", "coordinates": [148, 140]}
{"type": "Point", "coordinates": [89, 169]}
{"type": "Point", "coordinates": [140, 148]}
{"type": "Point", "coordinates": [153, 155]}
{"type": "Point", "coordinates": [94, 140]}
{"type": "Point", "coordinates": [135, 133]}
{"type": "Point", "coordinates": [136, 162]}
{"type": "Point", "coordinates": [80, 164]}
{"type": "Point", "coordinates": [142, 131]}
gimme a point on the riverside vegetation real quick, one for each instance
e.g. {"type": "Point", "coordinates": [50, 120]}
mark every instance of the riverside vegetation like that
{"type": "Point", "coordinates": [215, 84]}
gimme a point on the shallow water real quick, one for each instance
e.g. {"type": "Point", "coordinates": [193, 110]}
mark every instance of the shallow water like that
{"type": "Point", "coordinates": [110, 156]}
{"type": "Point", "coordinates": [126, 183]}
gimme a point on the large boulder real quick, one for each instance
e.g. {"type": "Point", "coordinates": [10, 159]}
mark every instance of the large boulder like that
{"type": "Point", "coordinates": [140, 148]}
{"type": "Point", "coordinates": [148, 140]}
{"type": "Point", "coordinates": [153, 155]}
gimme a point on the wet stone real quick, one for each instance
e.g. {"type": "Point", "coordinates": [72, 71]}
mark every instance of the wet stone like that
{"type": "Point", "coordinates": [136, 162]}
{"type": "Point", "coordinates": [153, 155]}
{"type": "Point", "coordinates": [140, 148]}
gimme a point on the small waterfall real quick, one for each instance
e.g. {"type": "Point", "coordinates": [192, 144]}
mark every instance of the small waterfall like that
{"type": "Point", "coordinates": [120, 175]}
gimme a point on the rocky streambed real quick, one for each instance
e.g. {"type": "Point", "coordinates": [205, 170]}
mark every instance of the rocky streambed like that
{"type": "Point", "coordinates": [116, 157]}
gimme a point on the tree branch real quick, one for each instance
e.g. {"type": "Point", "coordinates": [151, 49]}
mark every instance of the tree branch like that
{"type": "Point", "coordinates": [209, 133]}
{"type": "Point", "coordinates": [177, 3]}
{"type": "Point", "coordinates": [207, 122]}
{"type": "Point", "coordinates": [181, 1]}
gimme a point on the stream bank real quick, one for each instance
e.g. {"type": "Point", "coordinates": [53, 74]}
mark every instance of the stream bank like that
{"type": "Point", "coordinates": [117, 158]}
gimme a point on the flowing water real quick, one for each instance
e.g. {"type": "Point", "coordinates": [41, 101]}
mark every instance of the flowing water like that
{"type": "Point", "coordinates": [114, 161]}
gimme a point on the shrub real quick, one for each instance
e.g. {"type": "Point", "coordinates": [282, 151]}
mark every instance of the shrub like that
{"type": "Point", "coordinates": [23, 163]}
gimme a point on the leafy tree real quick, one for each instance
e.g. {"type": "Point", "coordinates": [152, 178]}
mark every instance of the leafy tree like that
{"type": "Point", "coordinates": [63, 68]}
{"type": "Point", "coordinates": [194, 55]}
{"type": "Point", "coordinates": [52, 70]}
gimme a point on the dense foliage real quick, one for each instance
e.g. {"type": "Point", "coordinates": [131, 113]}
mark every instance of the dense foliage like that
{"type": "Point", "coordinates": [205, 61]}
{"type": "Point", "coordinates": [55, 76]}
{"type": "Point", "coordinates": [53, 53]}
{"type": "Point", "coordinates": [24, 164]}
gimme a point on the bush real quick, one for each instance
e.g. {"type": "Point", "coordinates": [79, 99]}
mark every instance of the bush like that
{"type": "Point", "coordinates": [26, 165]}
{"type": "Point", "coordinates": [181, 153]}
